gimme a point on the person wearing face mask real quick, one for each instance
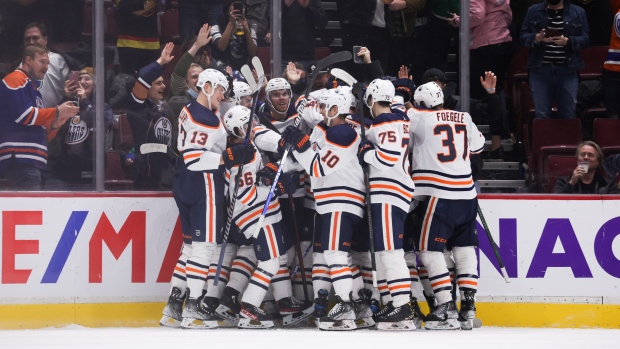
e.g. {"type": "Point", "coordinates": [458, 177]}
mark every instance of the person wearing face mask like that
{"type": "Point", "coordinates": [150, 122]}
{"type": "Point", "coordinates": [26, 124]}
{"type": "Point", "coordinates": [555, 31]}
{"type": "Point", "coordinates": [71, 153]}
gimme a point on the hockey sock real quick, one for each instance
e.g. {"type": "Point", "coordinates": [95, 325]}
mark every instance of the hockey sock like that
{"type": "Point", "coordinates": [438, 275]}
{"type": "Point", "coordinates": [298, 281]}
{"type": "Point", "coordinates": [362, 259]}
{"type": "Point", "coordinates": [358, 282]}
{"type": "Point", "coordinates": [229, 254]}
{"type": "Point", "coordinates": [242, 268]}
{"type": "Point", "coordinates": [321, 279]}
{"type": "Point", "coordinates": [340, 273]}
{"type": "Point", "coordinates": [397, 275]}
{"type": "Point", "coordinates": [260, 281]}
{"type": "Point", "coordinates": [197, 267]}
{"type": "Point", "coordinates": [450, 263]}
{"type": "Point", "coordinates": [426, 285]}
{"type": "Point", "coordinates": [281, 282]}
{"type": "Point", "coordinates": [178, 276]}
{"type": "Point", "coordinates": [467, 268]}
{"type": "Point", "coordinates": [384, 289]}
{"type": "Point", "coordinates": [410, 259]}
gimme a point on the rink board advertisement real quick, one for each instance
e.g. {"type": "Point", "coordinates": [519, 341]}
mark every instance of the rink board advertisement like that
{"type": "Point", "coordinates": [86, 257]}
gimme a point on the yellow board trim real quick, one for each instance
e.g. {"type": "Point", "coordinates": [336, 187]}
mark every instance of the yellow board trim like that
{"type": "Point", "coordinates": [552, 315]}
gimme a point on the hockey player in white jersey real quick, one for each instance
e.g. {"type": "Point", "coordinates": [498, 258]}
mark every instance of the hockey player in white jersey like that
{"type": "Point", "coordinates": [198, 190]}
{"type": "Point", "coordinates": [280, 115]}
{"type": "Point", "coordinates": [329, 156]}
{"type": "Point", "coordinates": [386, 151]}
{"type": "Point", "coordinates": [442, 142]}
{"type": "Point", "coordinates": [269, 245]}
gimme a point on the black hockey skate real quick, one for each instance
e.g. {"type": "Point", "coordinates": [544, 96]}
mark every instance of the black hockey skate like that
{"type": "Point", "coordinates": [340, 318]}
{"type": "Point", "coordinates": [320, 305]}
{"type": "Point", "coordinates": [173, 310]}
{"type": "Point", "coordinates": [386, 310]}
{"type": "Point", "coordinates": [252, 316]}
{"type": "Point", "coordinates": [229, 305]}
{"type": "Point", "coordinates": [363, 309]}
{"type": "Point", "coordinates": [199, 313]}
{"type": "Point", "coordinates": [430, 300]}
{"type": "Point", "coordinates": [399, 319]}
{"type": "Point", "coordinates": [294, 311]}
{"type": "Point", "coordinates": [444, 317]}
{"type": "Point", "coordinates": [468, 310]}
{"type": "Point", "coordinates": [416, 313]}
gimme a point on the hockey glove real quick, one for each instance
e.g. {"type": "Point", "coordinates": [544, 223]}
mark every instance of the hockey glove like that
{"type": "Point", "coordinates": [282, 146]}
{"type": "Point", "coordinates": [296, 137]}
{"type": "Point", "coordinates": [288, 182]}
{"type": "Point", "coordinates": [238, 154]}
{"type": "Point", "coordinates": [364, 147]}
{"type": "Point", "coordinates": [404, 87]}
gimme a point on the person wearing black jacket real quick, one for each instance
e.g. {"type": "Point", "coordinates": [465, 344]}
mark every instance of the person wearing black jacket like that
{"type": "Point", "coordinates": [150, 123]}
{"type": "Point", "coordinates": [585, 178]}
{"type": "Point", "coordinates": [299, 20]}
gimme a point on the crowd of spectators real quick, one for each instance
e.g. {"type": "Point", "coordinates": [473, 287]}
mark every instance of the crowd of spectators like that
{"type": "Point", "coordinates": [410, 39]}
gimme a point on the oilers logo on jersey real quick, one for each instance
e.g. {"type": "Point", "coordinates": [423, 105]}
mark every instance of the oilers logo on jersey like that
{"type": "Point", "coordinates": [77, 132]}
{"type": "Point", "coordinates": [163, 131]}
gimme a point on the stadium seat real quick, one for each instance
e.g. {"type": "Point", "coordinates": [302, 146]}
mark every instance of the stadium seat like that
{"type": "Point", "coordinates": [321, 52]}
{"type": "Point", "coordinates": [593, 57]}
{"type": "Point", "coordinates": [556, 166]}
{"type": "Point", "coordinates": [114, 177]}
{"type": "Point", "coordinates": [607, 135]}
{"type": "Point", "coordinates": [168, 25]}
{"type": "Point", "coordinates": [264, 54]}
{"type": "Point", "coordinates": [553, 137]}
{"type": "Point", "coordinates": [122, 135]}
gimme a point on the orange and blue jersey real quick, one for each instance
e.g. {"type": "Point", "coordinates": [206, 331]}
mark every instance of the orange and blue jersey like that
{"type": "Point", "coordinates": [23, 122]}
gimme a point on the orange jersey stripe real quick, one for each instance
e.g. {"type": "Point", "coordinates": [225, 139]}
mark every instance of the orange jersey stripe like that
{"type": "Point", "coordinates": [391, 187]}
{"type": "Point", "coordinates": [443, 181]}
{"type": "Point", "coordinates": [352, 196]}
{"type": "Point", "coordinates": [242, 265]}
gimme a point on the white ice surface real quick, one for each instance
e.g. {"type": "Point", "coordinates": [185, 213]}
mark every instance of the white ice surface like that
{"type": "Point", "coordinates": [151, 338]}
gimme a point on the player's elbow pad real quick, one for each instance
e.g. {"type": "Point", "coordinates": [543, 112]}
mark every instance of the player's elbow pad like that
{"type": "Point", "coordinates": [207, 161]}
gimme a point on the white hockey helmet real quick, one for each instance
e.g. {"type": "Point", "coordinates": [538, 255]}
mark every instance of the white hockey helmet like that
{"type": "Point", "coordinates": [429, 93]}
{"type": "Point", "coordinates": [241, 89]}
{"type": "Point", "coordinates": [276, 84]}
{"type": "Point", "coordinates": [335, 97]}
{"type": "Point", "coordinates": [381, 91]}
{"type": "Point", "coordinates": [236, 119]}
{"type": "Point", "coordinates": [215, 77]}
{"type": "Point", "coordinates": [348, 92]}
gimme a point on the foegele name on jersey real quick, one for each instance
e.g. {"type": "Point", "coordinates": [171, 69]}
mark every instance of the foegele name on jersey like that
{"type": "Point", "coordinates": [452, 116]}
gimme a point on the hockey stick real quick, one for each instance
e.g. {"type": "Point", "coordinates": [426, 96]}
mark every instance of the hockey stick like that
{"type": "Point", "coordinates": [346, 77]}
{"type": "Point", "coordinates": [150, 148]}
{"type": "Point", "coordinates": [298, 248]}
{"type": "Point", "coordinates": [298, 266]}
{"type": "Point", "coordinates": [320, 65]}
{"type": "Point", "coordinates": [233, 200]}
{"type": "Point", "coordinates": [499, 258]}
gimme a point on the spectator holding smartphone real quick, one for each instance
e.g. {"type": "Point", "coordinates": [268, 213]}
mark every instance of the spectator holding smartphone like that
{"type": "Point", "coordinates": [554, 60]}
{"type": "Point", "coordinates": [234, 41]}
{"type": "Point", "coordinates": [585, 178]}
{"type": "Point", "coordinates": [71, 152]}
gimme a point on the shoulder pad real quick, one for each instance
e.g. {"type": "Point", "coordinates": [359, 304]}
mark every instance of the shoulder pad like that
{"type": "Point", "coordinates": [342, 135]}
{"type": "Point", "coordinates": [203, 115]}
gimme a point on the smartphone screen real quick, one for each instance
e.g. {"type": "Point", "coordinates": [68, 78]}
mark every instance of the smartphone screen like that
{"type": "Point", "coordinates": [74, 76]}
{"type": "Point", "coordinates": [237, 6]}
{"type": "Point", "coordinates": [551, 33]}
{"type": "Point", "coordinates": [356, 59]}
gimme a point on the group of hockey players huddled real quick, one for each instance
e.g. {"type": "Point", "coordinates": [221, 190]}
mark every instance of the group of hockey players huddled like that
{"type": "Point", "coordinates": [400, 175]}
